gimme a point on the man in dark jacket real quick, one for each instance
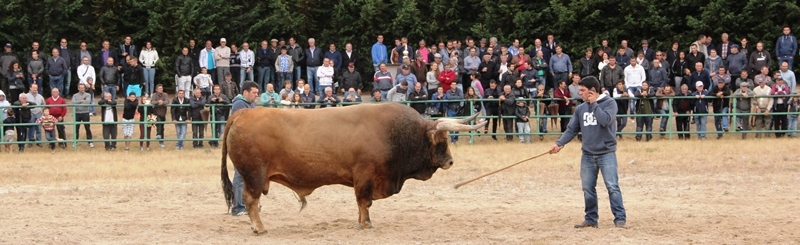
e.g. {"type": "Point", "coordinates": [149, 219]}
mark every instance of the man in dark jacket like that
{"type": "Point", "coordinates": [507, 110]}
{"type": "Point", "coordinates": [487, 69]}
{"type": "Point", "coordinates": [184, 69]}
{"type": "Point", "coordinates": [786, 47]}
{"type": "Point", "coordinates": [197, 103]}
{"type": "Point", "coordinates": [108, 115]}
{"type": "Point", "coordinates": [221, 108]}
{"type": "Point", "coordinates": [109, 78]}
{"type": "Point", "coordinates": [611, 74]}
{"type": "Point", "coordinates": [6, 59]}
{"type": "Point", "coordinates": [700, 106]}
{"type": "Point", "coordinates": [659, 77]}
{"type": "Point", "coordinates": [23, 114]}
{"type": "Point", "coordinates": [720, 103]}
{"type": "Point", "coordinates": [65, 53]}
{"type": "Point", "coordinates": [587, 66]}
{"type": "Point", "coordinates": [351, 79]}
{"type": "Point", "coordinates": [298, 57]}
{"type": "Point", "coordinates": [180, 117]}
{"type": "Point", "coordinates": [736, 62]}
{"type": "Point", "coordinates": [314, 56]}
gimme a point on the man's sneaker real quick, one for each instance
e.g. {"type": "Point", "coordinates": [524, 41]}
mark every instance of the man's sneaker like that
{"type": "Point", "coordinates": [91, 145]}
{"type": "Point", "coordinates": [586, 224]}
{"type": "Point", "coordinates": [141, 148]}
{"type": "Point", "coordinates": [240, 213]}
{"type": "Point", "coordinates": [619, 224]}
{"type": "Point", "coordinates": [161, 144]}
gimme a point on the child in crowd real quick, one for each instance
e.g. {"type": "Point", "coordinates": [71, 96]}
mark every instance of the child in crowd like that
{"type": "Point", "coordinates": [48, 123]}
{"type": "Point", "coordinates": [10, 135]}
{"type": "Point", "coordinates": [523, 124]}
{"type": "Point", "coordinates": [204, 82]}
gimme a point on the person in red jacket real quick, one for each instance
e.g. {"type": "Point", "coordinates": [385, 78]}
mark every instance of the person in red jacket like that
{"type": "Point", "coordinates": [564, 103]}
{"type": "Point", "coordinates": [446, 77]}
{"type": "Point", "coordinates": [59, 112]}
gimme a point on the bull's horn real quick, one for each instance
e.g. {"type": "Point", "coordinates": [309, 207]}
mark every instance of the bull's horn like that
{"type": "Point", "coordinates": [451, 126]}
{"type": "Point", "coordinates": [460, 121]}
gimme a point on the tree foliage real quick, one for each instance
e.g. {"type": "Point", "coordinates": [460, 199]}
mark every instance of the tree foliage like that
{"type": "Point", "coordinates": [577, 24]}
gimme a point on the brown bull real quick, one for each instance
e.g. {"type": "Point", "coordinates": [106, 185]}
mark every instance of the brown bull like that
{"type": "Point", "coordinates": [373, 148]}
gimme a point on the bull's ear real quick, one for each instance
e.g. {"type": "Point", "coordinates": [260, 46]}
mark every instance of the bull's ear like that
{"type": "Point", "coordinates": [432, 136]}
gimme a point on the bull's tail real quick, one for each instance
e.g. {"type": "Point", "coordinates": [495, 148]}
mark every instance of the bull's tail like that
{"type": "Point", "coordinates": [227, 186]}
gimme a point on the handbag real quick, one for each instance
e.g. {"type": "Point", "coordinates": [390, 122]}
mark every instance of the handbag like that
{"type": "Point", "coordinates": [432, 110]}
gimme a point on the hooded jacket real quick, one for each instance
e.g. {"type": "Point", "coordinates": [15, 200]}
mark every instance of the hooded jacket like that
{"type": "Point", "coordinates": [595, 121]}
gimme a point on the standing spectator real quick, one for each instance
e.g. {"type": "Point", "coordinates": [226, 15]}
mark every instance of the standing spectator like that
{"type": "Point", "coordinates": [180, 117]}
{"type": "Point", "coordinates": [108, 78]}
{"type": "Point", "coordinates": [586, 65]}
{"type": "Point", "coordinates": [48, 123]}
{"type": "Point", "coordinates": [457, 94]}
{"type": "Point", "coordinates": [284, 65]}
{"type": "Point", "coordinates": [243, 101]}
{"type": "Point", "coordinates": [523, 124]}
{"type": "Point", "coordinates": [198, 103]}
{"type": "Point", "coordinates": [84, 53]}
{"type": "Point", "coordinates": [700, 75]}
{"type": "Point", "coordinates": [184, 69]}
{"type": "Point", "coordinates": [229, 87]}
{"type": "Point", "coordinates": [379, 53]}
{"type": "Point", "coordinates": [126, 51]}
{"type": "Point", "coordinates": [23, 114]}
{"type": "Point", "coordinates": [794, 110]}
{"type": "Point", "coordinates": [222, 56]}
{"type": "Point", "coordinates": [335, 56]}
{"type": "Point", "coordinates": [108, 113]}
{"type": "Point", "coordinates": [208, 61]}
{"type": "Point", "coordinates": [86, 76]}
{"type": "Point", "coordinates": [236, 64]}
{"type": "Point", "coordinates": [492, 107]}
{"type": "Point", "coordinates": [736, 62]}
{"type": "Point", "coordinates": [678, 66]}
{"type": "Point", "coordinates": [270, 97]}
{"type": "Point", "coordinates": [701, 44]}
{"type": "Point", "coordinates": [759, 59]}
{"type": "Point", "coordinates": [308, 97]}
{"type": "Point", "coordinates": [82, 112]}
{"type": "Point", "coordinates": [149, 57]}
{"type": "Point", "coordinates": [404, 49]}
{"type": "Point", "coordinates": [540, 100]}
{"type": "Point", "coordinates": [314, 60]}
{"type": "Point", "coordinates": [35, 70]}
{"type": "Point", "coordinates": [713, 62]}
{"type": "Point", "coordinates": [398, 93]}
{"type": "Point", "coordinates": [65, 53]}
{"type": "Point", "coordinates": [382, 80]}
{"type": "Point", "coordinates": [298, 57]}
{"type": "Point", "coordinates": [634, 76]}
{"type": "Point", "coordinates": [611, 74]}
{"type": "Point", "coordinates": [488, 70]}
{"type": "Point", "coordinates": [560, 65]}
{"type": "Point", "coordinates": [349, 56]}
{"type": "Point", "coordinates": [744, 78]}
{"type": "Point", "coordinates": [160, 100]}
{"type": "Point", "coordinates": [59, 111]}
{"type": "Point", "coordinates": [221, 108]}
{"type": "Point", "coordinates": [623, 59]}
{"type": "Point", "coordinates": [432, 78]}
{"type": "Point", "coordinates": [34, 134]}
{"type": "Point", "coordinates": [743, 105]}
{"type": "Point", "coordinates": [658, 75]}
{"type": "Point", "coordinates": [788, 77]}
{"type": "Point", "coordinates": [29, 54]}
{"type": "Point", "coordinates": [203, 81]}
{"type": "Point", "coordinates": [764, 76]}
{"type": "Point", "coordinates": [644, 107]}
{"type": "Point", "coordinates": [565, 103]}
{"type": "Point", "coordinates": [786, 47]}
{"type": "Point", "coordinates": [682, 106]}
{"type": "Point", "coordinates": [700, 107]}
{"type": "Point", "coordinates": [263, 66]}
{"type": "Point", "coordinates": [324, 75]}
{"type": "Point", "coordinates": [57, 68]}
{"type": "Point", "coordinates": [672, 53]}
{"type": "Point", "coordinates": [246, 61]}
{"type": "Point", "coordinates": [574, 91]}
{"type": "Point", "coordinates": [134, 77]}
{"type": "Point", "coordinates": [406, 75]}
{"type": "Point", "coordinates": [763, 105]}
{"type": "Point", "coordinates": [781, 105]}
{"type": "Point", "coordinates": [15, 78]}
{"type": "Point", "coordinates": [622, 96]}
{"type": "Point", "coordinates": [695, 56]}
{"type": "Point", "coordinates": [351, 79]}
{"type": "Point", "coordinates": [471, 63]}
{"type": "Point", "coordinates": [507, 110]}
{"type": "Point", "coordinates": [273, 52]}
{"type": "Point", "coordinates": [128, 114]}
{"type": "Point", "coordinates": [662, 107]}
{"type": "Point", "coordinates": [720, 103]}
{"type": "Point", "coordinates": [287, 90]}
{"type": "Point", "coordinates": [103, 54]}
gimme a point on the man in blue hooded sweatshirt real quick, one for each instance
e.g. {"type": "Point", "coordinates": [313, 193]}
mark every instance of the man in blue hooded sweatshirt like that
{"type": "Point", "coordinates": [245, 100]}
{"type": "Point", "coordinates": [595, 119]}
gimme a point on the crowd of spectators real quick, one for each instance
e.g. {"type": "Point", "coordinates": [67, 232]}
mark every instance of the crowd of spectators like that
{"type": "Point", "coordinates": [508, 84]}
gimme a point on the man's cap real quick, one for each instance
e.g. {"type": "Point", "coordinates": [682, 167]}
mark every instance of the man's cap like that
{"type": "Point", "coordinates": [483, 40]}
{"type": "Point", "coordinates": [698, 84]}
{"type": "Point", "coordinates": [744, 84]}
{"type": "Point", "coordinates": [8, 45]}
{"type": "Point", "coordinates": [720, 80]}
{"type": "Point", "coordinates": [761, 80]}
{"type": "Point", "coordinates": [644, 41]}
{"type": "Point", "coordinates": [227, 73]}
{"type": "Point", "coordinates": [778, 78]}
{"type": "Point", "coordinates": [735, 46]}
{"type": "Point", "coordinates": [404, 67]}
{"type": "Point", "coordinates": [222, 40]}
{"type": "Point", "coordinates": [274, 40]}
{"type": "Point", "coordinates": [437, 55]}
{"type": "Point", "coordinates": [350, 64]}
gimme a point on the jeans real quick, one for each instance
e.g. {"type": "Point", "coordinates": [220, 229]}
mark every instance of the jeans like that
{"type": "Point", "coordinates": [263, 76]}
{"type": "Point", "coordinates": [111, 90]}
{"type": "Point", "coordinates": [185, 84]}
{"type": "Point", "coordinates": [160, 129]}
{"type": "Point", "coordinates": [57, 82]}
{"type": "Point", "coordinates": [38, 82]}
{"type": "Point", "coordinates": [22, 136]}
{"type": "Point", "coordinates": [632, 102]}
{"type": "Point", "coordinates": [149, 79]}
{"type": "Point", "coordinates": [793, 126]}
{"type": "Point", "coordinates": [91, 100]}
{"type": "Point", "coordinates": [238, 188]}
{"type": "Point", "coordinates": [607, 165]}
{"type": "Point", "coordinates": [298, 73]}
{"type": "Point", "coordinates": [789, 59]}
{"type": "Point", "coordinates": [313, 80]}
{"type": "Point", "coordinates": [453, 137]}
{"type": "Point", "coordinates": [282, 77]}
{"type": "Point", "coordinates": [198, 133]}
{"type": "Point", "coordinates": [560, 77]}
{"type": "Point", "coordinates": [51, 136]}
{"type": "Point", "coordinates": [682, 125]}
{"type": "Point", "coordinates": [244, 75]}
{"type": "Point", "coordinates": [524, 128]}
{"type": "Point", "coordinates": [743, 122]}
{"type": "Point", "coordinates": [34, 132]}
{"type": "Point", "coordinates": [664, 120]}
{"type": "Point", "coordinates": [721, 122]}
{"type": "Point", "coordinates": [83, 117]}
{"type": "Point", "coordinates": [644, 122]}
{"type": "Point", "coordinates": [700, 123]}
{"type": "Point", "coordinates": [67, 82]}
{"type": "Point", "coordinates": [110, 132]}
{"type": "Point", "coordinates": [621, 123]}
{"type": "Point", "coordinates": [218, 128]}
{"type": "Point", "coordinates": [180, 130]}
{"type": "Point", "coordinates": [321, 90]}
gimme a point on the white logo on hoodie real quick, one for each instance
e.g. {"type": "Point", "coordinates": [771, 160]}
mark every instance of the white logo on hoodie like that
{"type": "Point", "coordinates": [589, 119]}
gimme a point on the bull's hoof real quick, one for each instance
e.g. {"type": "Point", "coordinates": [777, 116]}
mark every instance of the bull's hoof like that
{"type": "Point", "coordinates": [365, 226]}
{"type": "Point", "coordinates": [257, 232]}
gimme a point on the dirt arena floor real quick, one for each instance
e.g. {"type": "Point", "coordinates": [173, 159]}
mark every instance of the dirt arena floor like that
{"type": "Point", "coordinates": [676, 192]}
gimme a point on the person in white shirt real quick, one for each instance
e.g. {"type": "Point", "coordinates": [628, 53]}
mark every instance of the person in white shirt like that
{"type": "Point", "coordinates": [86, 76]}
{"type": "Point", "coordinates": [247, 59]}
{"type": "Point", "coordinates": [325, 75]}
{"type": "Point", "coordinates": [149, 56]}
{"type": "Point", "coordinates": [204, 82]}
{"type": "Point", "coordinates": [634, 76]}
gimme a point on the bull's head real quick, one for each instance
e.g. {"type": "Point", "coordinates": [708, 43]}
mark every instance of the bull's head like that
{"type": "Point", "coordinates": [438, 137]}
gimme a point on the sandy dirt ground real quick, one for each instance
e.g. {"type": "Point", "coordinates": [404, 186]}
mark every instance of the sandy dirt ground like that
{"type": "Point", "coordinates": [675, 192]}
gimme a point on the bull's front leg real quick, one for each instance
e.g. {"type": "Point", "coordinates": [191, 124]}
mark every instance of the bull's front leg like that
{"type": "Point", "coordinates": [364, 200]}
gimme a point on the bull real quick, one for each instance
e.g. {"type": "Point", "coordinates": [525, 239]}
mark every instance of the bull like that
{"type": "Point", "coordinates": [373, 148]}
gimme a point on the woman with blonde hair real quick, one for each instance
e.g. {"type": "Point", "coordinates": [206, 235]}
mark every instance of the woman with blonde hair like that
{"type": "Point", "coordinates": [432, 78]}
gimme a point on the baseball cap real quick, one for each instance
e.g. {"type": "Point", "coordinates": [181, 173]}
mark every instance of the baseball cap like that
{"type": "Point", "coordinates": [8, 45]}
{"type": "Point", "coordinates": [744, 84]}
{"type": "Point", "coordinates": [350, 64]}
{"type": "Point", "coordinates": [227, 73]}
{"type": "Point", "coordinates": [405, 67]}
{"type": "Point", "coordinates": [698, 84]}
{"type": "Point", "coordinates": [223, 40]}
{"type": "Point", "coordinates": [437, 55]}
{"type": "Point", "coordinates": [735, 46]}
{"type": "Point", "coordinates": [274, 40]}
{"type": "Point", "coordinates": [778, 78]}
{"type": "Point", "coordinates": [644, 41]}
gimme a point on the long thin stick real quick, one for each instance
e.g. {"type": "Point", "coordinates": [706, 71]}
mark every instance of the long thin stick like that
{"type": "Point", "coordinates": [504, 168]}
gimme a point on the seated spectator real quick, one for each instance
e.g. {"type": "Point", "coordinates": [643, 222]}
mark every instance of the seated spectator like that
{"type": "Point", "coordinates": [285, 102]}
{"type": "Point", "coordinates": [128, 113]}
{"type": "Point", "coordinates": [48, 123]}
{"type": "Point", "coordinates": [377, 96]}
{"type": "Point", "coordinates": [352, 97]}
{"type": "Point", "coordinates": [406, 75]}
{"type": "Point", "coordinates": [287, 89]}
{"type": "Point", "coordinates": [439, 107]}
{"type": "Point", "coordinates": [308, 97]}
{"type": "Point", "coordinates": [328, 99]}
{"type": "Point", "coordinates": [296, 101]}
{"type": "Point", "coordinates": [398, 93]}
{"type": "Point", "coordinates": [418, 94]}
{"type": "Point", "coordinates": [744, 78]}
{"type": "Point", "coordinates": [197, 103]}
{"type": "Point", "coordinates": [301, 86]}
{"type": "Point", "coordinates": [108, 115]}
{"type": "Point", "coordinates": [270, 98]}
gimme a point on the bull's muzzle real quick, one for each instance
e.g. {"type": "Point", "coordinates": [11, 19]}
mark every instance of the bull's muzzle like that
{"type": "Point", "coordinates": [447, 164]}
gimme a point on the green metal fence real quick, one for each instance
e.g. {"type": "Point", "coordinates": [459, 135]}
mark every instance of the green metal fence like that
{"type": "Point", "coordinates": [535, 120]}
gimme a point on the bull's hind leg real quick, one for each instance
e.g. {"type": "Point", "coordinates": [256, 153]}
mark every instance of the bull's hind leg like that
{"type": "Point", "coordinates": [251, 196]}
